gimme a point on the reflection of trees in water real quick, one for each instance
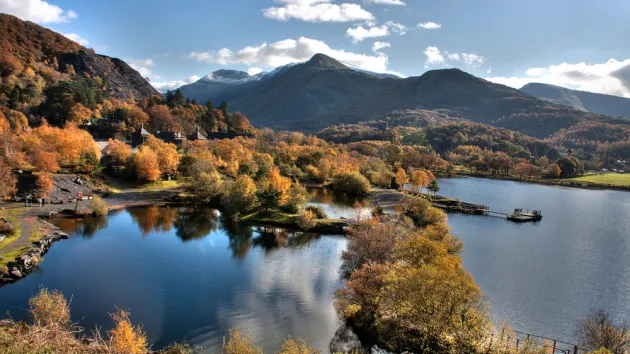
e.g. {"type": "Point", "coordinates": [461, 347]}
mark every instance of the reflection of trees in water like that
{"type": "Point", "coordinates": [328, 196]}
{"type": "Point", "coordinates": [153, 218]}
{"type": "Point", "coordinates": [195, 223]}
{"type": "Point", "coordinates": [85, 227]}
{"type": "Point", "coordinates": [240, 237]}
{"type": "Point", "coordinates": [273, 238]}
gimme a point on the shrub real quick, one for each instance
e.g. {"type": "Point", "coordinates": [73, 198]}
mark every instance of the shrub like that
{"type": "Point", "coordinates": [299, 346]}
{"type": "Point", "coordinates": [49, 308]}
{"type": "Point", "coordinates": [423, 214]}
{"type": "Point", "coordinates": [99, 206]}
{"type": "Point", "coordinates": [352, 183]}
{"type": "Point", "coordinates": [125, 337]}
{"type": "Point", "coordinates": [317, 211]}
{"type": "Point", "coordinates": [239, 344]}
{"type": "Point", "coordinates": [6, 228]}
{"type": "Point", "coordinates": [183, 348]}
{"type": "Point", "coordinates": [307, 220]}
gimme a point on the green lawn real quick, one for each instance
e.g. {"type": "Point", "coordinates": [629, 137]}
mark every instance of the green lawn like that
{"type": "Point", "coordinates": [612, 179]}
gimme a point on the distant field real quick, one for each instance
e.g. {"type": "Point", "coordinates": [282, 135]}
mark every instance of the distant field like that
{"type": "Point", "coordinates": [613, 179]}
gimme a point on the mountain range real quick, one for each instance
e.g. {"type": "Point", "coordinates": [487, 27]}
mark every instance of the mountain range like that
{"type": "Point", "coordinates": [586, 101]}
{"type": "Point", "coordinates": [22, 42]}
{"type": "Point", "coordinates": [322, 91]}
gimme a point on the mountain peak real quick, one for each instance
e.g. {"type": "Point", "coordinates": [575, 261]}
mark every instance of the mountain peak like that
{"type": "Point", "coordinates": [324, 62]}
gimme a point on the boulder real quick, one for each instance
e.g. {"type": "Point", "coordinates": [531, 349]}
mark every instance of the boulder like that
{"type": "Point", "coordinates": [62, 235]}
{"type": "Point", "coordinates": [25, 260]}
{"type": "Point", "coordinates": [16, 274]}
{"type": "Point", "coordinates": [6, 323]}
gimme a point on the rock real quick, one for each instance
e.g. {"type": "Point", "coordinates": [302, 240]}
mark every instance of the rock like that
{"type": "Point", "coordinates": [62, 235]}
{"type": "Point", "coordinates": [16, 274]}
{"type": "Point", "coordinates": [5, 323]}
{"type": "Point", "coordinates": [2, 238]}
{"type": "Point", "coordinates": [344, 341]}
{"type": "Point", "coordinates": [25, 260]}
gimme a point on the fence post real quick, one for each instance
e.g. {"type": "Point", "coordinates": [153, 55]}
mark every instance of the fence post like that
{"type": "Point", "coordinates": [575, 349]}
{"type": "Point", "coordinates": [517, 341]}
{"type": "Point", "coordinates": [554, 346]}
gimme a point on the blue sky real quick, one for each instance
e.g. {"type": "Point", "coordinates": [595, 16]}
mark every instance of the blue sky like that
{"type": "Point", "coordinates": [581, 44]}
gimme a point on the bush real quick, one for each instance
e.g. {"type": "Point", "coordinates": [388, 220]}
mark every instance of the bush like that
{"type": "Point", "coordinates": [239, 344]}
{"type": "Point", "coordinates": [317, 211]}
{"type": "Point", "coordinates": [6, 228]}
{"type": "Point", "coordinates": [292, 346]}
{"type": "Point", "coordinates": [49, 308]}
{"type": "Point", "coordinates": [352, 183]}
{"type": "Point", "coordinates": [307, 220]}
{"type": "Point", "coordinates": [99, 206]}
{"type": "Point", "coordinates": [423, 214]}
{"type": "Point", "coordinates": [240, 196]}
{"type": "Point", "coordinates": [183, 348]}
{"type": "Point", "coordinates": [125, 337]}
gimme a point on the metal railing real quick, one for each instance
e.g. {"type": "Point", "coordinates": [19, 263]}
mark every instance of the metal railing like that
{"type": "Point", "coordinates": [516, 341]}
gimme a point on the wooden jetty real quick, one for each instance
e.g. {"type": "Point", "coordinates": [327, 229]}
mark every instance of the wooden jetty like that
{"type": "Point", "coordinates": [448, 204]}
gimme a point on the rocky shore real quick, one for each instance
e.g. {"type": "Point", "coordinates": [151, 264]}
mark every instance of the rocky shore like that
{"type": "Point", "coordinates": [22, 265]}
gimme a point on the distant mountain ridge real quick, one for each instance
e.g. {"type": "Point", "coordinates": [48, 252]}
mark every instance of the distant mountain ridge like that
{"type": "Point", "coordinates": [322, 92]}
{"type": "Point", "coordinates": [22, 41]}
{"type": "Point", "coordinates": [587, 101]}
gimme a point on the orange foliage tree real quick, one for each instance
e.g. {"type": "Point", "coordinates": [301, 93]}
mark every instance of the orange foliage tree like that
{"type": "Point", "coordinates": [167, 155]}
{"type": "Point", "coordinates": [145, 164]}
{"type": "Point", "coordinates": [44, 185]}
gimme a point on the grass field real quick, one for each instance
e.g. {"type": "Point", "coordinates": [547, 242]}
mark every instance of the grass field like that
{"type": "Point", "coordinates": [612, 179]}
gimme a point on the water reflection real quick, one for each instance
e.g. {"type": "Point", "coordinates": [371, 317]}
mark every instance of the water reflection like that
{"type": "Point", "coordinates": [186, 273]}
{"type": "Point", "coordinates": [195, 223]}
{"type": "Point", "coordinates": [84, 227]}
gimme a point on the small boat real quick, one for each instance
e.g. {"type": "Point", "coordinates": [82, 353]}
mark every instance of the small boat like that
{"type": "Point", "coordinates": [521, 216]}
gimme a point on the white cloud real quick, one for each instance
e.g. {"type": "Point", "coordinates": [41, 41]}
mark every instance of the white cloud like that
{"type": "Point", "coordinates": [386, 2]}
{"type": "Point", "coordinates": [473, 60]}
{"type": "Point", "coordinates": [377, 46]}
{"type": "Point", "coordinates": [254, 70]}
{"type": "Point", "coordinates": [430, 25]}
{"type": "Point", "coordinates": [437, 58]}
{"type": "Point", "coordinates": [172, 85]}
{"type": "Point", "coordinates": [489, 71]}
{"type": "Point", "coordinates": [142, 66]}
{"type": "Point", "coordinates": [272, 55]}
{"type": "Point", "coordinates": [611, 77]}
{"type": "Point", "coordinates": [37, 11]}
{"type": "Point", "coordinates": [360, 33]}
{"type": "Point", "coordinates": [453, 56]}
{"type": "Point", "coordinates": [77, 38]}
{"type": "Point", "coordinates": [317, 11]}
{"type": "Point", "coordinates": [397, 27]}
{"type": "Point", "coordinates": [434, 57]}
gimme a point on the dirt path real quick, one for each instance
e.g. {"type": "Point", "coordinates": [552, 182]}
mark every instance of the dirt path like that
{"type": "Point", "coordinates": [23, 240]}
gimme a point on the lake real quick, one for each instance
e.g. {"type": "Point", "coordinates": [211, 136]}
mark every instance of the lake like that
{"type": "Point", "coordinates": [186, 274]}
{"type": "Point", "coordinates": [544, 277]}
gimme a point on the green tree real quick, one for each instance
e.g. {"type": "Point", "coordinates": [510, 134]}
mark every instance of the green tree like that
{"type": "Point", "coordinates": [434, 187]}
{"type": "Point", "coordinates": [269, 198]}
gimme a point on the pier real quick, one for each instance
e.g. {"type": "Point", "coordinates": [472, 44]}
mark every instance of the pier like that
{"type": "Point", "coordinates": [454, 205]}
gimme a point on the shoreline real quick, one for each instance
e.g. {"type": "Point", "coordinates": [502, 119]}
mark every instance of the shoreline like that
{"type": "Point", "coordinates": [545, 182]}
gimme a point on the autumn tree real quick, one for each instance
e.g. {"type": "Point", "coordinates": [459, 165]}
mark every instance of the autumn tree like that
{"type": "Point", "coordinates": [239, 122]}
{"type": "Point", "coordinates": [116, 154]}
{"type": "Point", "coordinates": [570, 166]}
{"type": "Point", "coordinates": [401, 178]}
{"type": "Point", "coordinates": [553, 171]}
{"type": "Point", "coordinates": [145, 165]}
{"type": "Point", "coordinates": [79, 114]}
{"type": "Point", "coordinates": [168, 157]}
{"type": "Point", "coordinates": [44, 185]}
{"type": "Point", "coordinates": [598, 331]}
{"type": "Point", "coordinates": [240, 196]}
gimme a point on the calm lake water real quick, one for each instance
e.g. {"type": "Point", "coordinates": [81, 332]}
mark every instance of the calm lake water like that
{"type": "Point", "coordinates": [185, 274]}
{"type": "Point", "coordinates": [543, 277]}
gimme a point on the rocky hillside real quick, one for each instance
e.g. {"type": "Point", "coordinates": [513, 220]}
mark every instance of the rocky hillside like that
{"type": "Point", "coordinates": [587, 101]}
{"type": "Point", "coordinates": [23, 42]}
{"type": "Point", "coordinates": [323, 92]}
